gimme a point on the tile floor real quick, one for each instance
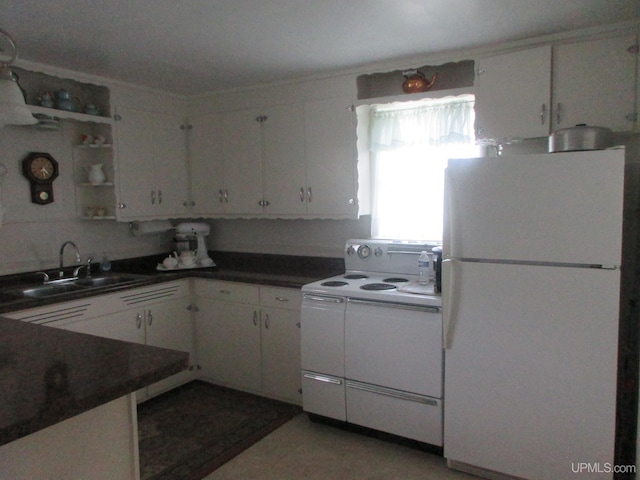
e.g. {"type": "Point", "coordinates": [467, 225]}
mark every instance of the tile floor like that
{"type": "Point", "coordinates": [303, 450]}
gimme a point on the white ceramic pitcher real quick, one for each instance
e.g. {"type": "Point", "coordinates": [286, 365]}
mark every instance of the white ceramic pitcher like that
{"type": "Point", "coordinates": [95, 174]}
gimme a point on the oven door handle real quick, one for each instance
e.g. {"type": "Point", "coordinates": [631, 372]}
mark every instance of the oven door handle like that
{"type": "Point", "coordinates": [399, 306]}
{"type": "Point", "coordinates": [322, 298]}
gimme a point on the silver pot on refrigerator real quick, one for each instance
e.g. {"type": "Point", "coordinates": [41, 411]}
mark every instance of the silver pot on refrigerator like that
{"type": "Point", "coordinates": [580, 137]}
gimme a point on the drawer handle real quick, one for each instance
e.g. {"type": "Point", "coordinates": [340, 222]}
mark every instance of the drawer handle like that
{"type": "Point", "coordinates": [322, 378]}
{"type": "Point", "coordinates": [225, 292]}
{"type": "Point", "coordinates": [282, 299]}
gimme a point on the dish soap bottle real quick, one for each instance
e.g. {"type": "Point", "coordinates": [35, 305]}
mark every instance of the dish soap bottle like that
{"type": "Point", "coordinates": [105, 265]}
{"type": "Point", "coordinates": [424, 267]}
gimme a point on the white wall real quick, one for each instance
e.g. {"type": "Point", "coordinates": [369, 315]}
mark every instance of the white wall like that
{"type": "Point", "coordinates": [31, 235]}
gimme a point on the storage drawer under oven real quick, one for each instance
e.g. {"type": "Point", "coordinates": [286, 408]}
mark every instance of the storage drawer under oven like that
{"type": "Point", "coordinates": [323, 395]}
{"type": "Point", "coordinates": [410, 416]}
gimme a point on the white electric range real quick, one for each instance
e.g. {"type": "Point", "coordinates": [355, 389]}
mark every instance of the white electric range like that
{"type": "Point", "coordinates": [371, 343]}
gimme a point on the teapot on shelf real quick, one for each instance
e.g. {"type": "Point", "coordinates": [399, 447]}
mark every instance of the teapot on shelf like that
{"type": "Point", "coordinates": [65, 101]}
{"type": "Point", "coordinates": [415, 81]}
{"type": "Point", "coordinates": [46, 100]}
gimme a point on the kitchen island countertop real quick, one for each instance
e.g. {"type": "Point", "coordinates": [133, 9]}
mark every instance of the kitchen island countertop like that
{"type": "Point", "coordinates": [48, 375]}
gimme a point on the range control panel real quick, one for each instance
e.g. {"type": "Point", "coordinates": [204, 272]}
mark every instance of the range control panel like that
{"type": "Point", "coordinates": [390, 256]}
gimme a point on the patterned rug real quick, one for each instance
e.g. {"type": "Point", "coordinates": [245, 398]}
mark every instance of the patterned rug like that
{"type": "Point", "coordinates": [188, 432]}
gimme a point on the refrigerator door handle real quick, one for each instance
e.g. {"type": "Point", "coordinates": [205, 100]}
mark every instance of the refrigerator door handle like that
{"type": "Point", "coordinates": [450, 245]}
{"type": "Point", "coordinates": [450, 299]}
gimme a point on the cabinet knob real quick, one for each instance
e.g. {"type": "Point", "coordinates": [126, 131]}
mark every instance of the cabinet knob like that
{"type": "Point", "coordinates": [122, 205]}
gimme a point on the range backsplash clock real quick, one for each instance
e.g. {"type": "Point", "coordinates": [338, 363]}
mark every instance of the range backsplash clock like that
{"type": "Point", "coordinates": [41, 169]}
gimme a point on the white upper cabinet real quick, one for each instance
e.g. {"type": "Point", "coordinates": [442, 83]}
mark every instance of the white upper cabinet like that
{"type": "Point", "coordinates": [205, 162]}
{"type": "Point", "coordinates": [242, 161]}
{"type": "Point", "coordinates": [152, 174]}
{"type": "Point", "coordinates": [533, 92]}
{"type": "Point", "coordinates": [283, 161]}
{"type": "Point", "coordinates": [512, 95]}
{"type": "Point", "coordinates": [330, 139]}
{"type": "Point", "coordinates": [226, 163]}
{"type": "Point", "coordinates": [285, 170]}
{"type": "Point", "coordinates": [594, 83]}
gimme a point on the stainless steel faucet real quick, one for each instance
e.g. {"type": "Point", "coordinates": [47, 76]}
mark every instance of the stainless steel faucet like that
{"type": "Point", "coordinates": [75, 248]}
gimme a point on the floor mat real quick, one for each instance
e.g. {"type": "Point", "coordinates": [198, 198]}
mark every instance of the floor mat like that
{"type": "Point", "coordinates": [188, 432]}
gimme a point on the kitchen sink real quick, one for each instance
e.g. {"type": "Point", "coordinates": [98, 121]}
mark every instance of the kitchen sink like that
{"type": "Point", "coordinates": [41, 291]}
{"type": "Point", "coordinates": [70, 285]}
{"type": "Point", "coordinates": [107, 280]}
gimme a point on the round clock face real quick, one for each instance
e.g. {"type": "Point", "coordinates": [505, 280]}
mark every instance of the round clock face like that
{"type": "Point", "coordinates": [41, 168]}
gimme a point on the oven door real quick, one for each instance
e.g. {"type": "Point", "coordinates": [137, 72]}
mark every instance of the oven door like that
{"type": "Point", "coordinates": [322, 334]}
{"type": "Point", "coordinates": [396, 346]}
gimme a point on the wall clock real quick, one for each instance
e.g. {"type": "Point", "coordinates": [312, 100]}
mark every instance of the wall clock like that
{"type": "Point", "coordinates": [41, 170]}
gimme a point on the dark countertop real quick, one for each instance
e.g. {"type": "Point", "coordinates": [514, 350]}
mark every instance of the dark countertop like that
{"type": "Point", "coordinates": [276, 270]}
{"type": "Point", "coordinates": [48, 375]}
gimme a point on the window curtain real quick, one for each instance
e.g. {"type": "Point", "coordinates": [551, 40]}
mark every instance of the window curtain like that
{"type": "Point", "coordinates": [430, 122]}
{"type": "Point", "coordinates": [410, 143]}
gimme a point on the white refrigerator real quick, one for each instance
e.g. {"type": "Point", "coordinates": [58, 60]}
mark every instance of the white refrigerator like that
{"type": "Point", "coordinates": [531, 280]}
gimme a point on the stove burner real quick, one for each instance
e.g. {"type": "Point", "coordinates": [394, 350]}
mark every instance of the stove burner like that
{"type": "Point", "coordinates": [334, 283]}
{"type": "Point", "coordinates": [355, 276]}
{"type": "Point", "coordinates": [395, 280]}
{"type": "Point", "coordinates": [378, 286]}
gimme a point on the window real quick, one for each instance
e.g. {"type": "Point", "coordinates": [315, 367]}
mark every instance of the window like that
{"type": "Point", "coordinates": [410, 143]}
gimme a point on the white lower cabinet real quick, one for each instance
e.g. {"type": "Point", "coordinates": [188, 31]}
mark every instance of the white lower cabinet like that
{"type": "Point", "coordinates": [243, 336]}
{"type": "Point", "coordinates": [248, 337]}
{"type": "Point", "coordinates": [228, 343]}
{"type": "Point", "coordinates": [157, 315]}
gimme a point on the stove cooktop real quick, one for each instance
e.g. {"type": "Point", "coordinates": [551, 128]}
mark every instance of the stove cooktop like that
{"type": "Point", "coordinates": [376, 286]}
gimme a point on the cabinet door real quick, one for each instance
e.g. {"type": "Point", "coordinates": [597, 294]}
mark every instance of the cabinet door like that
{"type": "Point", "coordinates": [330, 141]}
{"type": "Point", "coordinates": [594, 83]}
{"type": "Point", "coordinates": [512, 95]}
{"type": "Point", "coordinates": [152, 175]}
{"type": "Point", "coordinates": [281, 354]}
{"type": "Point", "coordinates": [127, 326]}
{"type": "Point", "coordinates": [168, 325]}
{"type": "Point", "coordinates": [242, 157]}
{"type": "Point", "coordinates": [135, 175]}
{"type": "Point", "coordinates": [206, 164]}
{"type": "Point", "coordinates": [228, 343]}
{"type": "Point", "coordinates": [169, 164]}
{"type": "Point", "coordinates": [284, 161]}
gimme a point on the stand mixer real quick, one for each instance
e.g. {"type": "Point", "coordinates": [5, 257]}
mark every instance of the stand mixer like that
{"type": "Point", "coordinates": [189, 230]}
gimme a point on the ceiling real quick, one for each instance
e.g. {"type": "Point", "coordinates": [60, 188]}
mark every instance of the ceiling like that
{"type": "Point", "coordinates": [200, 46]}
